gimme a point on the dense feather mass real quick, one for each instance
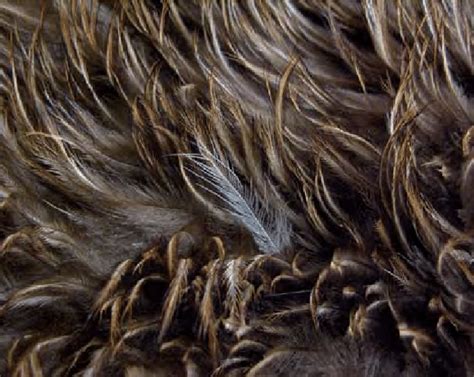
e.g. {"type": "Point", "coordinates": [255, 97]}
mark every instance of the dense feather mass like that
{"type": "Point", "coordinates": [236, 188]}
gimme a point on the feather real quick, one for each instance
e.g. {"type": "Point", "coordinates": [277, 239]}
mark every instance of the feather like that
{"type": "Point", "coordinates": [269, 227]}
{"type": "Point", "coordinates": [174, 295]}
{"type": "Point", "coordinates": [233, 279]}
{"type": "Point", "coordinates": [208, 325]}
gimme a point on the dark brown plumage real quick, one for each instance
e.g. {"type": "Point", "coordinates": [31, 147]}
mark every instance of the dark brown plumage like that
{"type": "Point", "coordinates": [236, 188]}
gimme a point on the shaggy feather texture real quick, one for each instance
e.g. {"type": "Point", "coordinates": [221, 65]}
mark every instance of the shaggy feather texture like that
{"type": "Point", "coordinates": [236, 188]}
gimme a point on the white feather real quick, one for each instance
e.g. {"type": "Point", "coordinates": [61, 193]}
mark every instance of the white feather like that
{"type": "Point", "coordinates": [269, 227]}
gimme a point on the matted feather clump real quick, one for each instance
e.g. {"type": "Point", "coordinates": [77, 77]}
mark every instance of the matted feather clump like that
{"type": "Point", "coordinates": [236, 188]}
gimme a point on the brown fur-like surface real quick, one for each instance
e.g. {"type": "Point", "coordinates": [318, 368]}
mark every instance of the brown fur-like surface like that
{"type": "Point", "coordinates": [236, 188]}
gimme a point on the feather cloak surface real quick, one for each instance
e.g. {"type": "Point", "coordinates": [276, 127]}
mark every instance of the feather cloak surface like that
{"type": "Point", "coordinates": [236, 188]}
